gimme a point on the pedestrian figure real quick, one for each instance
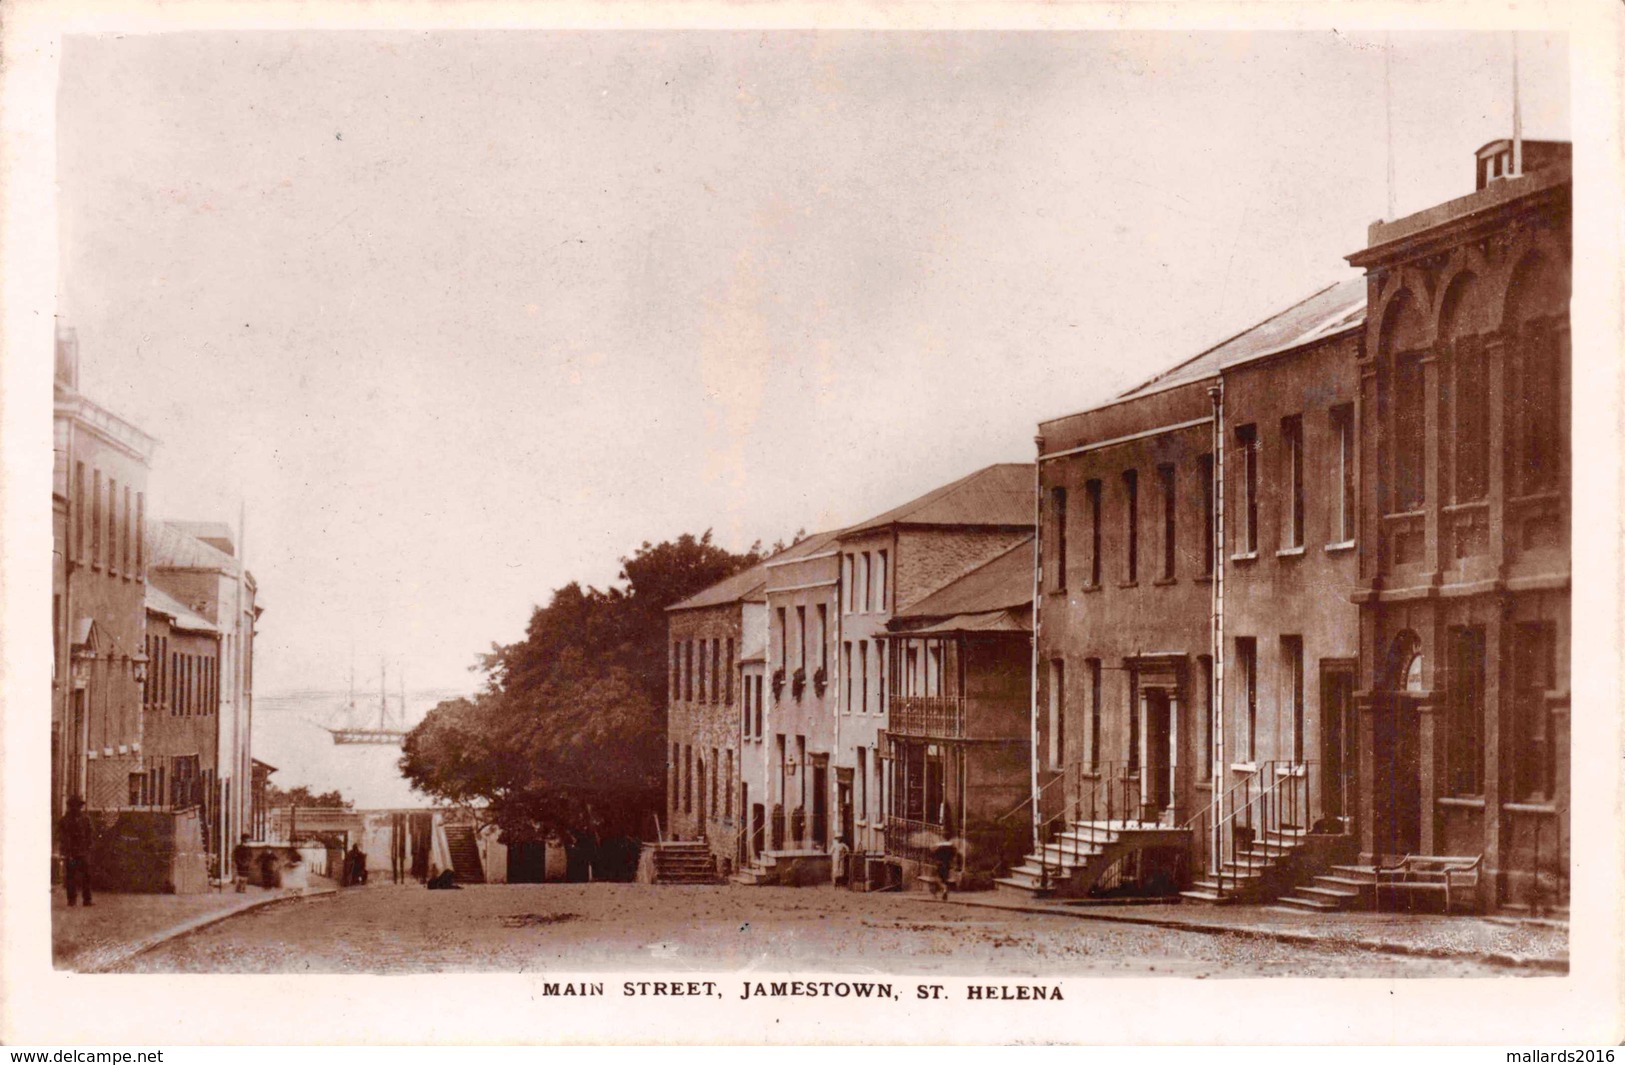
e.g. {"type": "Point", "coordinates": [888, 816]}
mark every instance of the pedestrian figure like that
{"type": "Point", "coordinates": [76, 839]}
{"type": "Point", "coordinates": [837, 862]}
{"type": "Point", "coordinates": [446, 880]}
{"type": "Point", "coordinates": [355, 865]}
{"type": "Point", "coordinates": [242, 857]}
{"type": "Point", "coordinates": [943, 855]}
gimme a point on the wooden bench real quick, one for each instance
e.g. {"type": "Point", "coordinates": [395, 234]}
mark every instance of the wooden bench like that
{"type": "Point", "coordinates": [1425, 874]}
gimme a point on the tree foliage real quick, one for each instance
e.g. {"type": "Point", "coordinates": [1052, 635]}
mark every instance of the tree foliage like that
{"type": "Point", "coordinates": [301, 795]}
{"type": "Point", "coordinates": [569, 732]}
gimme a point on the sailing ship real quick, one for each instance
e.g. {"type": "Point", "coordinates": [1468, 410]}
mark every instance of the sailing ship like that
{"type": "Point", "coordinates": [386, 732]}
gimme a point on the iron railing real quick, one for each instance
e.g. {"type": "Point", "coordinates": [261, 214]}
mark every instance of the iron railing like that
{"type": "Point", "coordinates": [1274, 798]}
{"type": "Point", "coordinates": [927, 715]}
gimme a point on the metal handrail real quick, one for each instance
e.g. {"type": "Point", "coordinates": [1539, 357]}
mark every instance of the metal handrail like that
{"type": "Point", "coordinates": [1283, 790]}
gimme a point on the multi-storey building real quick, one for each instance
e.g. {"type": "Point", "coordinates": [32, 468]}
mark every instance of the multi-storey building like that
{"type": "Point", "coordinates": [959, 676]}
{"type": "Point", "coordinates": [196, 564]}
{"type": "Point", "coordinates": [712, 712]}
{"type": "Point", "coordinates": [1464, 537]}
{"type": "Point", "coordinates": [98, 594]}
{"type": "Point", "coordinates": [1193, 632]}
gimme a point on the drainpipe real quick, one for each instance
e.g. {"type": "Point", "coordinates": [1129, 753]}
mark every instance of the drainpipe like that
{"type": "Point", "coordinates": [1038, 564]}
{"type": "Point", "coordinates": [1216, 697]}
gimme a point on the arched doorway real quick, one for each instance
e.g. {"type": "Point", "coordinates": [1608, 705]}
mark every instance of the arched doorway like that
{"type": "Point", "coordinates": [1396, 750]}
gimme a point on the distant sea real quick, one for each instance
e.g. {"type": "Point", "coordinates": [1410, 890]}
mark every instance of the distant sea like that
{"type": "Point", "coordinates": [289, 734]}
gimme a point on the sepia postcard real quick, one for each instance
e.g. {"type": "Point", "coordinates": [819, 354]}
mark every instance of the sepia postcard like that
{"type": "Point", "coordinates": [865, 523]}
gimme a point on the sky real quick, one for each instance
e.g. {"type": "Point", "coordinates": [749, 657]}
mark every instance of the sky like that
{"type": "Point", "coordinates": [457, 318]}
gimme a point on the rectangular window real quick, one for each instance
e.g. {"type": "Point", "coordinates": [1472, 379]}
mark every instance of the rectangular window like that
{"type": "Point", "coordinates": [1539, 407]}
{"type": "Point", "coordinates": [1464, 753]}
{"type": "Point", "coordinates": [1469, 400]}
{"type": "Point", "coordinates": [1133, 723]}
{"type": "Point", "coordinates": [1092, 490]}
{"type": "Point", "coordinates": [851, 681]}
{"type": "Point", "coordinates": [1292, 459]}
{"type": "Point", "coordinates": [823, 639]}
{"type": "Point", "coordinates": [702, 672]}
{"type": "Point", "coordinates": [1534, 732]}
{"type": "Point", "coordinates": [863, 669]}
{"type": "Point", "coordinates": [713, 806]}
{"type": "Point", "coordinates": [96, 522]}
{"type": "Point", "coordinates": [676, 670]}
{"type": "Point", "coordinates": [79, 512]}
{"type": "Point", "coordinates": [1247, 455]}
{"type": "Point", "coordinates": [688, 670]}
{"type": "Point", "coordinates": [688, 779]}
{"type": "Point", "coordinates": [863, 784]}
{"type": "Point", "coordinates": [880, 581]}
{"type": "Point", "coordinates": [1292, 662]}
{"type": "Point", "coordinates": [732, 667]}
{"type": "Point", "coordinates": [728, 787]}
{"type": "Point", "coordinates": [1057, 713]}
{"type": "Point", "coordinates": [112, 526]}
{"type": "Point", "coordinates": [1247, 665]}
{"type": "Point", "coordinates": [1057, 521]}
{"type": "Point", "coordinates": [1131, 517]}
{"type": "Point", "coordinates": [744, 729]}
{"type": "Point", "coordinates": [1342, 419]}
{"type": "Point", "coordinates": [1204, 469]}
{"type": "Point", "coordinates": [126, 552]}
{"type": "Point", "coordinates": [1205, 701]}
{"type": "Point", "coordinates": [1095, 712]}
{"type": "Point", "coordinates": [868, 585]}
{"type": "Point", "coordinates": [1170, 541]}
{"type": "Point", "coordinates": [141, 534]}
{"type": "Point", "coordinates": [880, 677]}
{"type": "Point", "coordinates": [1410, 427]}
{"type": "Point", "coordinates": [801, 637]}
{"type": "Point", "coordinates": [759, 690]}
{"type": "Point", "coordinates": [784, 658]}
{"type": "Point", "coordinates": [716, 673]}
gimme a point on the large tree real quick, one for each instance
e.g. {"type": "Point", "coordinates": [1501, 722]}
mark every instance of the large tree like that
{"type": "Point", "coordinates": [568, 733]}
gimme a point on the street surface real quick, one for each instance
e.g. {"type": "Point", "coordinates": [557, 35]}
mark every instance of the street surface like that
{"type": "Point", "coordinates": [586, 927]}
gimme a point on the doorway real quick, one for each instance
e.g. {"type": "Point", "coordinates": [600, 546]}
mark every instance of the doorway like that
{"type": "Point", "coordinates": [1159, 737]}
{"type": "Point", "coordinates": [843, 806]}
{"type": "Point", "coordinates": [1339, 743]}
{"type": "Point", "coordinates": [758, 830]}
{"type": "Point", "coordinates": [820, 807]}
{"type": "Point", "coordinates": [1396, 777]}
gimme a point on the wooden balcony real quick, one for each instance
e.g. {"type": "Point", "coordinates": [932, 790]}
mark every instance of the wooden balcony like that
{"type": "Point", "coordinates": [933, 716]}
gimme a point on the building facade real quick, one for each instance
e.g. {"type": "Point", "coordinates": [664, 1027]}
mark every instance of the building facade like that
{"type": "Point", "coordinates": [1464, 545]}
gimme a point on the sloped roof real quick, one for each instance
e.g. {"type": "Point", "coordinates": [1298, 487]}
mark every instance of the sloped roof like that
{"type": "Point", "coordinates": [1001, 494]}
{"type": "Point", "coordinates": [180, 616]}
{"type": "Point", "coordinates": [750, 585]}
{"type": "Point", "coordinates": [1332, 309]}
{"type": "Point", "coordinates": [1002, 583]}
{"type": "Point", "coordinates": [990, 621]}
{"type": "Point", "coordinates": [169, 544]}
{"type": "Point", "coordinates": [216, 534]}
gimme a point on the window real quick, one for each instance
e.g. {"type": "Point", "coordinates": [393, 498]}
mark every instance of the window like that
{"type": "Point", "coordinates": [849, 573]}
{"type": "Point", "coordinates": [1539, 407]}
{"type": "Point", "coordinates": [1057, 518]}
{"type": "Point", "coordinates": [863, 666]}
{"type": "Point", "coordinates": [745, 707]}
{"type": "Point", "coordinates": [846, 662]}
{"type": "Point", "coordinates": [79, 512]}
{"type": "Point", "coordinates": [112, 526]}
{"type": "Point", "coordinates": [1170, 543]}
{"type": "Point", "coordinates": [1464, 753]}
{"type": "Point", "coordinates": [1292, 445]}
{"type": "Point", "coordinates": [1470, 399]}
{"type": "Point", "coordinates": [1057, 713]}
{"type": "Point", "coordinates": [676, 669]}
{"type": "Point", "coordinates": [1292, 661]}
{"type": "Point", "coordinates": [716, 673]}
{"type": "Point", "coordinates": [1342, 418]}
{"type": "Point", "coordinates": [1092, 490]}
{"type": "Point", "coordinates": [1204, 467]}
{"type": "Point", "coordinates": [1247, 448]}
{"type": "Point", "coordinates": [759, 707]}
{"type": "Point", "coordinates": [96, 521]}
{"type": "Point", "coordinates": [880, 678]}
{"type": "Point", "coordinates": [731, 668]}
{"type": "Point", "coordinates": [1410, 425]}
{"type": "Point", "coordinates": [728, 787]}
{"type": "Point", "coordinates": [868, 584]}
{"type": "Point", "coordinates": [880, 581]}
{"type": "Point", "coordinates": [1133, 723]}
{"type": "Point", "coordinates": [863, 784]}
{"type": "Point", "coordinates": [141, 534]}
{"type": "Point", "coordinates": [801, 636]}
{"type": "Point", "coordinates": [1094, 712]}
{"type": "Point", "coordinates": [688, 779]}
{"type": "Point", "coordinates": [688, 670]}
{"type": "Point", "coordinates": [676, 778]}
{"type": "Point", "coordinates": [713, 781]}
{"type": "Point", "coordinates": [702, 671]}
{"type": "Point", "coordinates": [1247, 663]}
{"type": "Point", "coordinates": [784, 658]}
{"type": "Point", "coordinates": [1205, 701]}
{"type": "Point", "coordinates": [1534, 734]}
{"type": "Point", "coordinates": [126, 551]}
{"type": "Point", "coordinates": [823, 639]}
{"type": "Point", "coordinates": [1131, 494]}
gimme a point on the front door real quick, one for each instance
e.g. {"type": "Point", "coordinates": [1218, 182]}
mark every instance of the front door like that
{"type": "Point", "coordinates": [1396, 776]}
{"type": "Point", "coordinates": [758, 830]}
{"type": "Point", "coordinates": [820, 810]}
{"type": "Point", "coordinates": [1339, 744]}
{"type": "Point", "coordinates": [843, 804]}
{"type": "Point", "coordinates": [1159, 749]}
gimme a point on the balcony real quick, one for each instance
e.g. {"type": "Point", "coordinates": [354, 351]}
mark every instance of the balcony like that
{"type": "Point", "coordinates": [937, 716]}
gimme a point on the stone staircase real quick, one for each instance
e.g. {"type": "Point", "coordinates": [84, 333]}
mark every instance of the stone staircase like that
{"type": "Point", "coordinates": [1261, 871]}
{"type": "Point", "coordinates": [790, 868]}
{"type": "Point", "coordinates": [465, 854]}
{"type": "Point", "coordinates": [1417, 882]}
{"type": "Point", "coordinates": [688, 862]}
{"type": "Point", "coordinates": [1079, 857]}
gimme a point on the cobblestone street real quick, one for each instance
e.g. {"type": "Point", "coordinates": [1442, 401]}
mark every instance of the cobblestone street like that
{"type": "Point", "coordinates": [586, 927]}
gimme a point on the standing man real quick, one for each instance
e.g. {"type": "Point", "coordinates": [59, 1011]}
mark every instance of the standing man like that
{"type": "Point", "coordinates": [76, 835]}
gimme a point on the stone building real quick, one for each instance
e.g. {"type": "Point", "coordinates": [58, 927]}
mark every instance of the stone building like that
{"type": "Point", "coordinates": [1193, 631]}
{"type": "Point", "coordinates": [98, 594]}
{"type": "Point", "coordinates": [196, 565]}
{"type": "Point", "coordinates": [1464, 539]}
{"type": "Point", "coordinates": [711, 711]}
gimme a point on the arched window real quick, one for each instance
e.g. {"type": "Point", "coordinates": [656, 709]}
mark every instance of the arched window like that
{"type": "Point", "coordinates": [1404, 666]}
